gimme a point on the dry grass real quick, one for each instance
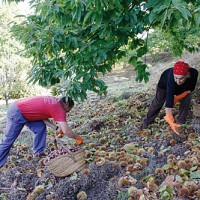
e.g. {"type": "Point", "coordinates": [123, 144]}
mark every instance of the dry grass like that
{"type": "Point", "coordinates": [192, 59]}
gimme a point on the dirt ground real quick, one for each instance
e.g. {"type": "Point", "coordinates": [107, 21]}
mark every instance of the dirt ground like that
{"type": "Point", "coordinates": [118, 155]}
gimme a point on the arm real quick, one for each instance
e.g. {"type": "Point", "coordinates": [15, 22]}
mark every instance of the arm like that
{"type": "Point", "coordinates": [50, 124]}
{"type": "Point", "coordinates": [168, 110]}
{"type": "Point", "coordinates": [67, 131]}
{"type": "Point", "coordinates": [177, 98]}
{"type": "Point", "coordinates": [170, 120]}
{"type": "Point", "coordinates": [55, 127]}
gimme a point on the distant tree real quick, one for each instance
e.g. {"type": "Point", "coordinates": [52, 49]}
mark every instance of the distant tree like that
{"type": "Point", "coordinates": [161, 41]}
{"type": "Point", "coordinates": [8, 78]}
{"type": "Point", "coordinates": [72, 42]}
{"type": "Point", "coordinates": [13, 67]}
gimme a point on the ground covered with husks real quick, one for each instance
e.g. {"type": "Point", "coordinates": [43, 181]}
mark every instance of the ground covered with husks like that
{"type": "Point", "coordinates": [122, 161]}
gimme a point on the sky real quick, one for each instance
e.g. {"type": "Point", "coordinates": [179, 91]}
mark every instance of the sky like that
{"type": "Point", "coordinates": [24, 7]}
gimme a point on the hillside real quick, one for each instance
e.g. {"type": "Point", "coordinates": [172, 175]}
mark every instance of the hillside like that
{"type": "Point", "coordinates": [122, 162]}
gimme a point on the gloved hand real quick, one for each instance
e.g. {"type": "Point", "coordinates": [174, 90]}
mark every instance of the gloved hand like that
{"type": "Point", "coordinates": [79, 140]}
{"type": "Point", "coordinates": [177, 98]}
{"type": "Point", "coordinates": [170, 120]}
{"type": "Point", "coordinates": [59, 132]}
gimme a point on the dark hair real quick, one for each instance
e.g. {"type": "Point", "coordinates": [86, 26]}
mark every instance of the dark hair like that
{"type": "Point", "coordinates": [68, 101]}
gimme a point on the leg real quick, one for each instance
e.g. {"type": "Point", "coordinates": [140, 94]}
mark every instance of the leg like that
{"type": "Point", "coordinates": [39, 130]}
{"type": "Point", "coordinates": [155, 107]}
{"type": "Point", "coordinates": [14, 125]}
{"type": "Point", "coordinates": [183, 109]}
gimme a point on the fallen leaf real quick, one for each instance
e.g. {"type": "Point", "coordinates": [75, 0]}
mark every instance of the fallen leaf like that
{"type": "Point", "coordinates": [169, 180]}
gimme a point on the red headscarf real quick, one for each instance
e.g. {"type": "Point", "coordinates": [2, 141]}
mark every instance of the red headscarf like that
{"type": "Point", "coordinates": [181, 68]}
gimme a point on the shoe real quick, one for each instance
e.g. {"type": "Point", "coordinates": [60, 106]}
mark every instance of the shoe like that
{"type": "Point", "coordinates": [143, 126]}
{"type": "Point", "coordinates": [39, 155]}
{"type": "Point", "coordinates": [181, 122]}
{"type": "Point", "coordinates": [42, 155]}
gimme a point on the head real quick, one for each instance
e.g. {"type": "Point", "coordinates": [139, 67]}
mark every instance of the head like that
{"type": "Point", "coordinates": [68, 103]}
{"type": "Point", "coordinates": [181, 72]}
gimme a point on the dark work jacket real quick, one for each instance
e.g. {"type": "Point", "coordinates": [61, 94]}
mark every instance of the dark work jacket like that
{"type": "Point", "coordinates": [167, 82]}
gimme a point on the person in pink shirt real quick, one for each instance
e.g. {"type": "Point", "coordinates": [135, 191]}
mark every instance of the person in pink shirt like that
{"type": "Point", "coordinates": [35, 112]}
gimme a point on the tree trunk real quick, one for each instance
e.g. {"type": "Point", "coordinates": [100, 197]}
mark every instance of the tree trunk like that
{"type": "Point", "coordinates": [6, 97]}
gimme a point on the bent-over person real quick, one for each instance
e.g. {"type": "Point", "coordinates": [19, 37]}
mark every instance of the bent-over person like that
{"type": "Point", "coordinates": [35, 113]}
{"type": "Point", "coordinates": [175, 85]}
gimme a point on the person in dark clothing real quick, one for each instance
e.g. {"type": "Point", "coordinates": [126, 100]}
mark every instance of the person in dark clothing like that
{"type": "Point", "coordinates": [175, 85]}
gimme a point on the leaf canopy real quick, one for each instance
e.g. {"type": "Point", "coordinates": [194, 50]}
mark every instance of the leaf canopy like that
{"type": "Point", "coordinates": [72, 42]}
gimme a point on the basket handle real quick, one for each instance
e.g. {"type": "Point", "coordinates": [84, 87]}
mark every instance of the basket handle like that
{"type": "Point", "coordinates": [71, 155]}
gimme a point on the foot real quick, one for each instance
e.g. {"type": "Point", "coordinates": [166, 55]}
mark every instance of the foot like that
{"type": "Point", "coordinates": [143, 126]}
{"type": "Point", "coordinates": [181, 122]}
{"type": "Point", "coordinates": [39, 155]}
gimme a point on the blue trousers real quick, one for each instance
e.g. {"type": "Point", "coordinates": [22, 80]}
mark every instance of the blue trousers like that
{"type": "Point", "coordinates": [14, 124]}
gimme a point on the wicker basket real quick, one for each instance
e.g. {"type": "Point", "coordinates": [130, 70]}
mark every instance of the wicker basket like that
{"type": "Point", "coordinates": [66, 164]}
{"type": "Point", "coordinates": [196, 109]}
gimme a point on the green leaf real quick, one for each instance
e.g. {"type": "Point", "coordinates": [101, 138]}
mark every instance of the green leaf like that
{"type": "Point", "coordinates": [133, 59]}
{"type": "Point", "coordinates": [178, 178]}
{"type": "Point", "coordinates": [92, 150]}
{"type": "Point", "coordinates": [196, 10]}
{"type": "Point", "coordinates": [193, 168]}
{"type": "Point", "coordinates": [142, 51]}
{"type": "Point", "coordinates": [82, 96]}
{"type": "Point", "coordinates": [195, 175]}
{"type": "Point", "coordinates": [98, 19]}
{"type": "Point", "coordinates": [151, 3]}
{"type": "Point", "coordinates": [102, 53]}
{"type": "Point", "coordinates": [179, 3]}
{"type": "Point", "coordinates": [146, 77]}
{"type": "Point", "coordinates": [79, 12]}
{"type": "Point", "coordinates": [164, 18]}
{"type": "Point", "coordinates": [167, 166]}
{"type": "Point", "coordinates": [197, 19]}
{"type": "Point", "coordinates": [162, 188]}
{"type": "Point", "coordinates": [152, 17]}
{"type": "Point", "coordinates": [86, 77]}
{"type": "Point", "coordinates": [121, 54]}
{"type": "Point", "coordinates": [73, 176]}
{"type": "Point", "coordinates": [87, 16]}
{"type": "Point", "coordinates": [185, 13]}
{"type": "Point", "coordinates": [184, 172]}
{"type": "Point", "coordinates": [99, 83]}
{"type": "Point", "coordinates": [165, 195]}
{"type": "Point", "coordinates": [160, 9]}
{"type": "Point", "coordinates": [169, 190]}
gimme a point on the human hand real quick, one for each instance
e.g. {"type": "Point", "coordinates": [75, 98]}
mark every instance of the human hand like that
{"type": "Point", "coordinates": [59, 132]}
{"type": "Point", "coordinates": [174, 127]}
{"type": "Point", "coordinates": [79, 140]}
{"type": "Point", "coordinates": [170, 120]}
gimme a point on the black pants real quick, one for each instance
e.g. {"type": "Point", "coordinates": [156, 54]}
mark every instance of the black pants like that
{"type": "Point", "coordinates": [157, 104]}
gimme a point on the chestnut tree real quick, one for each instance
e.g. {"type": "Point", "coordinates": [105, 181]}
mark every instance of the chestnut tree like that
{"type": "Point", "coordinates": [73, 42]}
